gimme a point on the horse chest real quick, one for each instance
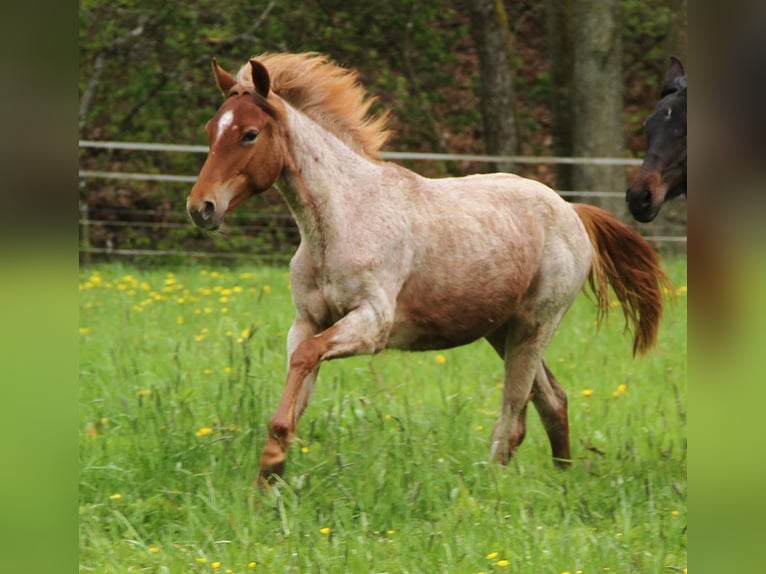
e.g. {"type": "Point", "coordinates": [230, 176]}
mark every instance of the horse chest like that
{"type": "Point", "coordinates": [335, 300]}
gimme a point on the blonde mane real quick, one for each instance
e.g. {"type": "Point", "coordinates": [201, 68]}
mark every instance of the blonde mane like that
{"type": "Point", "coordinates": [329, 94]}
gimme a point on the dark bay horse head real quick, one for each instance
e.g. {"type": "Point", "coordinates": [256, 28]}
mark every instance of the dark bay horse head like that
{"type": "Point", "coordinates": [663, 173]}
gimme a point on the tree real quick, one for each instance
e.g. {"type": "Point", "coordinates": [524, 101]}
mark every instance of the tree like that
{"type": "Point", "coordinates": [560, 34]}
{"type": "Point", "coordinates": [598, 102]}
{"type": "Point", "coordinates": [492, 36]}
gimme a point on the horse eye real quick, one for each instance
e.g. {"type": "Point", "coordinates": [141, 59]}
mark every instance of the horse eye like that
{"type": "Point", "coordinates": [249, 136]}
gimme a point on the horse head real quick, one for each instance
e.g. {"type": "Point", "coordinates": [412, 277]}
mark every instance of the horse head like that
{"type": "Point", "coordinates": [663, 173]}
{"type": "Point", "coordinates": [243, 158]}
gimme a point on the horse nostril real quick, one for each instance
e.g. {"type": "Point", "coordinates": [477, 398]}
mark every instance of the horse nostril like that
{"type": "Point", "coordinates": [645, 197]}
{"type": "Point", "coordinates": [207, 210]}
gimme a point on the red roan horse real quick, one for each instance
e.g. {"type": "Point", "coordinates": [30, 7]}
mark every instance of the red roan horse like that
{"type": "Point", "coordinates": [390, 259]}
{"type": "Point", "coordinates": [663, 172]}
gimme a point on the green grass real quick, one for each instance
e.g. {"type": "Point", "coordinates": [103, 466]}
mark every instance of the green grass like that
{"type": "Point", "coordinates": [180, 371]}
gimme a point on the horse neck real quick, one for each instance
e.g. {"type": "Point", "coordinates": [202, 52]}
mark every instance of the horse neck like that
{"type": "Point", "coordinates": [323, 179]}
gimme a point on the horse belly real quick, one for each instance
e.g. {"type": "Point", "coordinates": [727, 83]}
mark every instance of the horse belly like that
{"type": "Point", "coordinates": [441, 320]}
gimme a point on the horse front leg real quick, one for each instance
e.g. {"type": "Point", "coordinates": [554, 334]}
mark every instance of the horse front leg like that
{"type": "Point", "coordinates": [363, 331]}
{"type": "Point", "coordinates": [273, 455]}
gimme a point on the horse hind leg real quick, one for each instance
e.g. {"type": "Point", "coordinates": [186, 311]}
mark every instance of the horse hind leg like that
{"type": "Point", "coordinates": [550, 400]}
{"type": "Point", "coordinates": [522, 350]}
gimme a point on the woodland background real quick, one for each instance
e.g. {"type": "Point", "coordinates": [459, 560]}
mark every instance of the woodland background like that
{"type": "Point", "coordinates": [553, 77]}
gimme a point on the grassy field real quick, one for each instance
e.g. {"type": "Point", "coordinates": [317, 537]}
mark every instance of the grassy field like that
{"type": "Point", "coordinates": [181, 369]}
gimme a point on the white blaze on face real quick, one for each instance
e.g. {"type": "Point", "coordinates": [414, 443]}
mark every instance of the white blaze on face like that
{"type": "Point", "coordinates": [224, 122]}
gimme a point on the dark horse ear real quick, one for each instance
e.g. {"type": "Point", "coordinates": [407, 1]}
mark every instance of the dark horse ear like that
{"type": "Point", "coordinates": [675, 77]}
{"type": "Point", "coordinates": [223, 78]}
{"type": "Point", "coordinates": [675, 70]}
{"type": "Point", "coordinates": [261, 80]}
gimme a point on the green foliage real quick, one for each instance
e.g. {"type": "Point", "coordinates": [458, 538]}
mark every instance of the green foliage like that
{"type": "Point", "coordinates": [145, 76]}
{"type": "Point", "coordinates": [180, 369]}
{"type": "Point", "coordinates": [645, 26]}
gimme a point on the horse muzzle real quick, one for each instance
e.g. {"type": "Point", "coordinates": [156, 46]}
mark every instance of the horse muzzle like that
{"type": "Point", "coordinates": [641, 204]}
{"type": "Point", "coordinates": [204, 214]}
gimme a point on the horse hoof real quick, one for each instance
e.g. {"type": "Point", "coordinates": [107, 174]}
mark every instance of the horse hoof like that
{"type": "Point", "coordinates": [268, 474]}
{"type": "Point", "coordinates": [562, 463]}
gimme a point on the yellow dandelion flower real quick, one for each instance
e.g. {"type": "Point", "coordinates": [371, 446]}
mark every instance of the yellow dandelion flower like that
{"type": "Point", "coordinates": [227, 370]}
{"type": "Point", "coordinates": [251, 564]}
{"type": "Point", "coordinates": [180, 320]}
{"type": "Point", "coordinates": [199, 338]}
{"type": "Point", "coordinates": [390, 532]}
{"type": "Point", "coordinates": [144, 392]}
{"type": "Point", "coordinates": [204, 431]}
{"type": "Point", "coordinates": [615, 394]}
{"type": "Point", "coordinates": [388, 417]}
{"type": "Point", "coordinates": [502, 563]}
{"type": "Point", "coordinates": [305, 450]}
{"type": "Point", "coordinates": [622, 388]}
{"type": "Point", "coordinates": [153, 549]}
{"type": "Point", "coordinates": [681, 290]}
{"type": "Point", "coordinates": [84, 331]}
{"type": "Point", "coordinates": [245, 333]}
{"type": "Point", "coordinates": [207, 371]}
{"type": "Point", "coordinates": [587, 392]}
{"type": "Point", "coordinates": [266, 289]}
{"type": "Point", "coordinates": [675, 513]}
{"type": "Point", "coordinates": [324, 531]}
{"type": "Point", "coordinates": [201, 560]}
{"type": "Point", "coordinates": [215, 565]}
{"type": "Point", "coordinates": [236, 289]}
{"type": "Point", "coordinates": [441, 359]}
{"type": "Point", "coordinates": [492, 555]}
{"type": "Point", "coordinates": [479, 427]}
{"type": "Point", "coordinates": [104, 420]}
{"type": "Point", "coordinates": [115, 496]}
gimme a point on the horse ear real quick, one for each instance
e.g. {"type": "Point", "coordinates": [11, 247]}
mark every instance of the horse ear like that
{"type": "Point", "coordinates": [223, 78]}
{"type": "Point", "coordinates": [261, 80]}
{"type": "Point", "coordinates": [675, 70]}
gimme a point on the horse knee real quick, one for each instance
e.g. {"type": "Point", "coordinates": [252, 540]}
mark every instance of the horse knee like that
{"type": "Point", "coordinates": [306, 356]}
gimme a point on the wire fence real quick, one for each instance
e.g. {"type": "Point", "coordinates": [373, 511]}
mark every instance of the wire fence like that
{"type": "Point", "coordinates": [277, 226]}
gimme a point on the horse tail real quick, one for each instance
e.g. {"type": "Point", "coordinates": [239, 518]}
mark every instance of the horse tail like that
{"type": "Point", "coordinates": [626, 261]}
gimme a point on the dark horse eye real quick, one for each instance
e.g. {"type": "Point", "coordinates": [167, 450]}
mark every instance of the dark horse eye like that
{"type": "Point", "coordinates": [249, 136]}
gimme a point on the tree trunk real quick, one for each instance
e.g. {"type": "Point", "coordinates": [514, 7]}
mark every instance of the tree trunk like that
{"type": "Point", "coordinates": [598, 102]}
{"type": "Point", "coordinates": [560, 32]}
{"type": "Point", "coordinates": [489, 28]}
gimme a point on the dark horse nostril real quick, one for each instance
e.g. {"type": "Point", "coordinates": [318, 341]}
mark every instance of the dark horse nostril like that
{"type": "Point", "coordinates": [208, 210]}
{"type": "Point", "coordinates": [645, 198]}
